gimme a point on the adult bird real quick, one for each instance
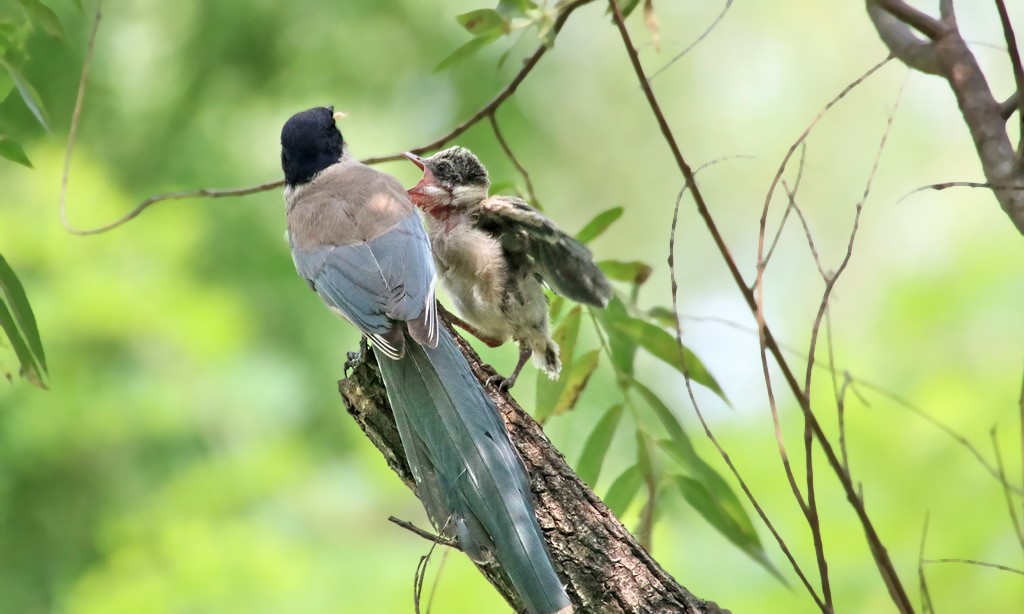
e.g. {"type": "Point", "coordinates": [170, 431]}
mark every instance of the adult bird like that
{"type": "Point", "coordinates": [357, 241]}
{"type": "Point", "coordinates": [496, 253]}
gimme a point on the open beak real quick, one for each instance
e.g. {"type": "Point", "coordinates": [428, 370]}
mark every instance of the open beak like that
{"type": "Point", "coordinates": [418, 161]}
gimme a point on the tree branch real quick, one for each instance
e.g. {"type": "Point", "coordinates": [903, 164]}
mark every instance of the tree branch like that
{"type": "Point", "coordinates": [947, 55]}
{"type": "Point", "coordinates": [604, 568]}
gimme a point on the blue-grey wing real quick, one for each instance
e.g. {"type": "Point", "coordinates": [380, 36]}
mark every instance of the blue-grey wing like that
{"type": "Point", "coordinates": [375, 283]}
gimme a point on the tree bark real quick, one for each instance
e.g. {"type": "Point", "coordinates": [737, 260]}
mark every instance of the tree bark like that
{"type": "Point", "coordinates": [604, 568]}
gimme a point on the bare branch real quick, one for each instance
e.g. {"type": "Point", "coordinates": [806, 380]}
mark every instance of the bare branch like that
{"type": "Point", "coordinates": [886, 568]}
{"type": "Point", "coordinates": [704, 34]}
{"type": "Point", "coordinates": [512, 158]}
{"type": "Point", "coordinates": [427, 535]}
{"type": "Point", "coordinates": [75, 117]}
{"type": "Point", "coordinates": [700, 415]}
{"type": "Point", "coordinates": [948, 55]}
{"type": "Point", "coordinates": [919, 20]}
{"type": "Point", "coordinates": [1011, 104]}
{"type": "Point", "coordinates": [1017, 529]}
{"type": "Point", "coordinates": [1018, 67]}
{"type": "Point", "coordinates": [978, 563]}
{"type": "Point", "coordinates": [926, 597]}
{"type": "Point", "coordinates": [901, 42]}
{"type": "Point", "coordinates": [483, 113]}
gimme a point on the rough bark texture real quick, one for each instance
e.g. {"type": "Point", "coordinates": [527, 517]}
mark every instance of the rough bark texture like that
{"type": "Point", "coordinates": [604, 568]}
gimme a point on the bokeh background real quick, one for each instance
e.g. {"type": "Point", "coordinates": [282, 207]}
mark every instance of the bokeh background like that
{"type": "Point", "coordinates": [192, 453]}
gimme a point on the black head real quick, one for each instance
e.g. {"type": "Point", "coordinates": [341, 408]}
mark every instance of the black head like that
{"type": "Point", "coordinates": [457, 166]}
{"type": "Point", "coordinates": [310, 142]}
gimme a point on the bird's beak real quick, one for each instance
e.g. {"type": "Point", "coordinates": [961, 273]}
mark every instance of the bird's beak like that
{"type": "Point", "coordinates": [418, 161]}
{"type": "Point", "coordinates": [340, 115]}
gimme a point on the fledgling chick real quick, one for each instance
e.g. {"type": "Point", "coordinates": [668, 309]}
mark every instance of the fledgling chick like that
{"type": "Point", "coordinates": [494, 255]}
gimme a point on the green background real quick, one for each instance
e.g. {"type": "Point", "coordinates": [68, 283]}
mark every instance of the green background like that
{"type": "Point", "coordinates": [192, 453]}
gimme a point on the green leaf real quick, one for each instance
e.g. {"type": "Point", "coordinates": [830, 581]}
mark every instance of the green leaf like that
{"type": "Point", "coordinates": [466, 51]}
{"type": "Point", "coordinates": [503, 187]}
{"type": "Point", "coordinates": [549, 391]}
{"type": "Point", "coordinates": [12, 151]}
{"type": "Point", "coordinates": [724, 512]}
{"type": "Point", "coordinates": [597, 444]}
{"type": "Point", "coordinates": [623, 490]}
{"type": "Point", "coordinates": [45, 17]}
{"type": "Point", "coordinates": [632, 272]}
{"type": "Point", "coordinates": [663, 316]}
{"type": "Point", "coordinates": [596, 227]}
{"type": "Point", "coordinates": [626, 7]}
{"type": "Point", "coordinates": [622, 346]}
{"type": "Point", "coordinates": [29, 367]}
{"type": "Point", "coordinates": [484, 22]}
{"type": "Point", "coordinates": [28, 94]}
{"type": "Point", "coordinates": [555, 309]}
{"type": "Point", "coordinates": [664, 347]}
{"type": "Point", "coordinates": [576, 378]}
{"type": "Point", "coordinates": [515, 8]}
{"type": "Point", "coordinates": [668, 419]}
{"type": "Point", "coordinates": [14, 292]}
{"type": "Point", "coordinates": [78, 4]}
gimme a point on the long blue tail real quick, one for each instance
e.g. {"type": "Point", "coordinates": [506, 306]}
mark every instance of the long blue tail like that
{"type": "Point", "coordinates": [470, 479]}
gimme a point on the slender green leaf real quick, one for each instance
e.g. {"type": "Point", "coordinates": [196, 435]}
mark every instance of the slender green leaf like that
{"type": "Point", "coordinates": [668, 419]}
{"type": "Point", "coordinates": [631, 272]}
{"type": "Point", "coordinates": [663, 346]}
{"type": "Point", "coordinates": [12, 151]}
{"type": "Point", "coordinates": [515, 8]}
{"type": "Point", "coordinates": [14, 293]}
{"type": "Point", "coordinates": [663, 316]}
{"type": "Point", "coordinates": [550, 391]}
{"type": "Point", "coordinates": [28, 93]}
{"type": "Point", "coordinates": [484, 22]}
{"type": "Point", "coordinates": [29, 367]}
{"type": "Point", "coordinates": [597, 444]}
{"type": "Point", "coordinates": [466, 51]}
{"type": "Point", "coordinates": [555, 308]}
{"type": "Point", "coordinates": [626, 7]}
{"type": "Point", "coordinates": [576, 379]}
{"type": "Point", "coordinates": [623, 490]}
{"type": "Point", "coordinates": [622, 346]}
{"type": "Point", "coordinates": [596, 227]}
{"type": "Point", "coordinates": [45, 17]}
{"type": "Point", "coordinates": [78, 5]}
{"type": "Point", "coordinates": [727, 516]}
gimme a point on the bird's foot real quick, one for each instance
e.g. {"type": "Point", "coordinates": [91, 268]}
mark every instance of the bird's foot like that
{"type": "Point", "coordinates": [503, 383]}
{"type": "Point", "coordinates": [356, 359]}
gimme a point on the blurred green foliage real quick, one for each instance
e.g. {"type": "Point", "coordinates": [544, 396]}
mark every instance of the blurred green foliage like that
{"type": "Point", "coordinates": [192, 453]}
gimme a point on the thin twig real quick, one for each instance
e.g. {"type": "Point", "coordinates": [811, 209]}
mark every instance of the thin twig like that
{"type": "Point", "coordinates": [75, 117]}
{"type": "Point", "coordinates": [959, 184]}
{"type": "Point", "coordinates": [885, 565]}
{"type": "Point", "coordinates": [700, 415]}
{"type": "Point", "coordinates": [427, 535]}
{"type": "Point", "coordinates": [957, 437]}
{"type": "Point", "coordinates": [979, 564]}
{"type": "Point", "coordinates": [808, 235]}
{"type": "Point", "coordinates": [707, 31]}
{"type": "Point", "coordinates": [1018, 67]}
{"type": "Point", "coordinates": [512, 158]}
{"type": "Point", "coordinates": [792, 198]}
{"type": "Point", "coordinates": [437, 580]}
{"type": "Point", "coordinates": [926, 597]}
{"type": "Point", "coordinates": [1017, 529]}
{"type": "Point", "coordinates": [498, 100]}
{"type": "Point", "coordinates": [917, 19]}
{"type": "Point", "coordinates": [484, 112]}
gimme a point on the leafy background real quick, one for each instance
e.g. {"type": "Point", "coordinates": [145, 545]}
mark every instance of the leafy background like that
{"type": "Point", "coordinates": [192, 453]}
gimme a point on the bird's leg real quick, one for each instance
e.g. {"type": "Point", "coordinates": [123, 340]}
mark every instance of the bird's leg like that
{"type": "Point", "coordinates": [455, 320]}
{"type": "Point", "coordinates": [357, 358]}
{"type": "Point", "coordinates": [505, 383]}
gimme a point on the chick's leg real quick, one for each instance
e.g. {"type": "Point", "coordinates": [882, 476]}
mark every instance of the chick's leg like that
{"type": "Point", "coordinates": [505, 383]}
{"type": "Point", "coordinates": [455, 320]}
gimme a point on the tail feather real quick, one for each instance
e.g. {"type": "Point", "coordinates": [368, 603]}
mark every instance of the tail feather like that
{"type": "Point", "coordinates": [467, 473]}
